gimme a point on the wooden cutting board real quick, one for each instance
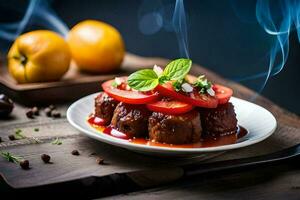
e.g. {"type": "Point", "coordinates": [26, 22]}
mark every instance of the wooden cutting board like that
{"type": "Point", "coordinates": [73, 85]}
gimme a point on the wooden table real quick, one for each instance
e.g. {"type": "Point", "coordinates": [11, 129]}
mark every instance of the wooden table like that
{"type": "Point", "coordinates": [80, 175]}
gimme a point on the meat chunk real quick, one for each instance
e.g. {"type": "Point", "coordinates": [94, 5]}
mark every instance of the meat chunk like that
{"type": "Point", "coordinates": [104, 107]}
{"type": "Point", "coordinates": [219, 121]}
{"type": "Point", "coordinates": [175, 129]}
{"type": "Point", "coordinates": [132, 120]}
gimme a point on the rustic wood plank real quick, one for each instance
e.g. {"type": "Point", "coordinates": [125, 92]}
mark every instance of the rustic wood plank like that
{"type": "Point", "coordinates": [280, 182]}
{"type": "Point", "coordinates": [67, 167]}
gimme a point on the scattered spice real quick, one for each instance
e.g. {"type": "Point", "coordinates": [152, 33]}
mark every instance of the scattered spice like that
{"type": "Point", "coordinates": [48, 112]}
{"type": "Point", "coordinates": [6, 106]}
{"type": "Point", "coordinates": [55, 114]}
{"type": "Point", "coordinates": [11, 137]}
{"type": "Point", "coordinates": [36, 140]}
{"type": "Point", "coordinates": [18, 131]}
{"type": "Point", "coordinates": [0, 139]}
{"type": "Point", "coordinates": [99, 161]}
{"type": "Point", "coordinates": [15, 159]}
{"type": "Point", "coordinates": [57, 141]}
{"type": "Point", "coordinates": [35, 110]}
{"type": "Point", "coordinates": [75, 153]}
{"type": "Point", "coordinates": [93, 154]}
{"type": "Point", "coordinates": [46, 158]}
{"type": "Point", "coordinates": [52, 107]}
{"type": "Point", "coordinates": [29, 114]}
{"type": "Point", "coordinates": [24, 164]}
{"type": "Point", "coordinates": [18, 135]}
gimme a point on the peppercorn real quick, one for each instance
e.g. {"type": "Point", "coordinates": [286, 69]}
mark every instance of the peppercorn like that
{"type": "Point", "coordinates": [93, 154]}
{"type": "Point", "coordinates": [29, 114]}
{"type": "Point", "coordinates": [46, 158]}
{"type": "Point", "coordinates": [55, 114]}
{"type": "Point", "coordinates": [48, 112]}
{"type": "Point", "coordinates": [24, 164]}
{"type": "Point", "coordinates": [99, 161]}
{"type": "Point", "coordinates": [75, 153]}
{"type": "Point", "coordinates": [11, 137]}
{"type": "Point", "coordinates": [35, 110]}
{"type": "Point", "coordinates": [6, 106]}
{"type": "Point", "coordinates": [52, 107]}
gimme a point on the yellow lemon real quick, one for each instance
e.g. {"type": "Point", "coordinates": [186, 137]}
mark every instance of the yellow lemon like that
{"type": "Point", "coordinates": [96, 46]}
{"type": "Point", "coordinates": [38, 56]}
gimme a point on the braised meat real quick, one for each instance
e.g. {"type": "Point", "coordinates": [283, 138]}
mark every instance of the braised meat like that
{"type": "Point", "coordinates": [131, 119]}
{"type": "Point", "coordinates": [218, 121]}
{"type": "Point", "coordinates": [175, 129]}
{"type": "Point", "coordinates": [104, 107]}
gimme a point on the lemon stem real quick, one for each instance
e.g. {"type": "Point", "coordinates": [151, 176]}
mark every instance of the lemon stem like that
{"type": "Point", "coordinates": [23, 60]}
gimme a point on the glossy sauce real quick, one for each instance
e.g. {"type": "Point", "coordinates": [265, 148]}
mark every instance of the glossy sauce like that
{"type": "Point", "coordinates": [224, 139]}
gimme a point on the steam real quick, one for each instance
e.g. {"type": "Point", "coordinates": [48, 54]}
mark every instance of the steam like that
{"type": "Point", "coordinates": [278, 18]}
{"type": "Point", "coordinates": [38, 13]}
{"type": "Point", "coordinates": [180, 28]}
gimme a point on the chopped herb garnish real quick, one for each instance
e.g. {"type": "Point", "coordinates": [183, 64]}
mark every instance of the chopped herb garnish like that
{"type": "Point", "coordinates": [10, 157]}
{"type": "Point", "coordinates": [177, 85]}
{"type": "Point", "coordinates": [203, 84]}
{"type": "Point", "coordinates": [175, 71]}
{"type": "Point", "coordinates": [162, 79]}
{"type": "Point", "coordinates": [147, 79]}
{"type": "Point", "coordinates": [114, 84]}
{"type": "Point", "coordinates": [36, 129]}
{"type": "Point", "coordinates": [57, 141]}
{"type": "Point", "coordinates": [18, 131]}
{"type": "Point", "coordinates": [19, 135]}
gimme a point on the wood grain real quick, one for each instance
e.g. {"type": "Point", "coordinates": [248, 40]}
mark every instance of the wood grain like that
{"type": "Point", "coordinates": [276, 183]}
{"type": "Point", "coordinates": [67, 167]}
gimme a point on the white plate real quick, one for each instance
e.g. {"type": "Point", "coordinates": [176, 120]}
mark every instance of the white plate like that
{"type": "Point", "coordinates": [259, 122]}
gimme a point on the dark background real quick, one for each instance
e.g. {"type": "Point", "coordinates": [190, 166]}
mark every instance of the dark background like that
{"type": "Point", "coordinates": [222, 36]}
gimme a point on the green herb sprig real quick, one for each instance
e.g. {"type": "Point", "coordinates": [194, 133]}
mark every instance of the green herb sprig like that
{"type": "Point", "coordinates": [10, 157]}
{"type": "Point", "coordinates": [19, 135]}
{"type": "Point", "coordinates": [147, 79]}
{"type": "Point", "coordinates": [56, 141]}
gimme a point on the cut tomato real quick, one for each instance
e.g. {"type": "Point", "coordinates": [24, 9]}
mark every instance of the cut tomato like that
{"type": "Point", "coordinates": [169, 106]}
{"type": "Point", "coordinates": [223, 93]}
{"type": "Point", "coordinates": [128, 96]}
{"type": "Point", "coordinates": [194, 98]}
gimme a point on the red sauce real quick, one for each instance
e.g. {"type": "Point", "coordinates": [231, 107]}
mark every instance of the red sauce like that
{"type": "Point", "coordinates": [96, 121]}
{"type": "Point", "coordinates": [115, 133]}
{"type": "Point", "coordinates": [224, 139]}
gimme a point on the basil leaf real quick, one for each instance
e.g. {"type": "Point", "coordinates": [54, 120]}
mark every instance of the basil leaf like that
{"type": "Point", "coordinates": [143, 80]}
{"type": "Point", "coordinates": [178, 69]}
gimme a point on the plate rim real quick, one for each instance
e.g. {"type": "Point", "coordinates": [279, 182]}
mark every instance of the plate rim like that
{"type": "Point", "coordinates": [142, 148]}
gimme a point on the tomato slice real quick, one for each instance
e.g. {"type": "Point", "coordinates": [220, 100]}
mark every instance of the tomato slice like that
{"type": "Point", "coordinates": [169, 106]}
{"type": "Point", "coordinates": [194, 98]}
{"type": "Point", "coordinates": [222, 93]}
{"type": "Point", "coordinates": [128, 96]}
